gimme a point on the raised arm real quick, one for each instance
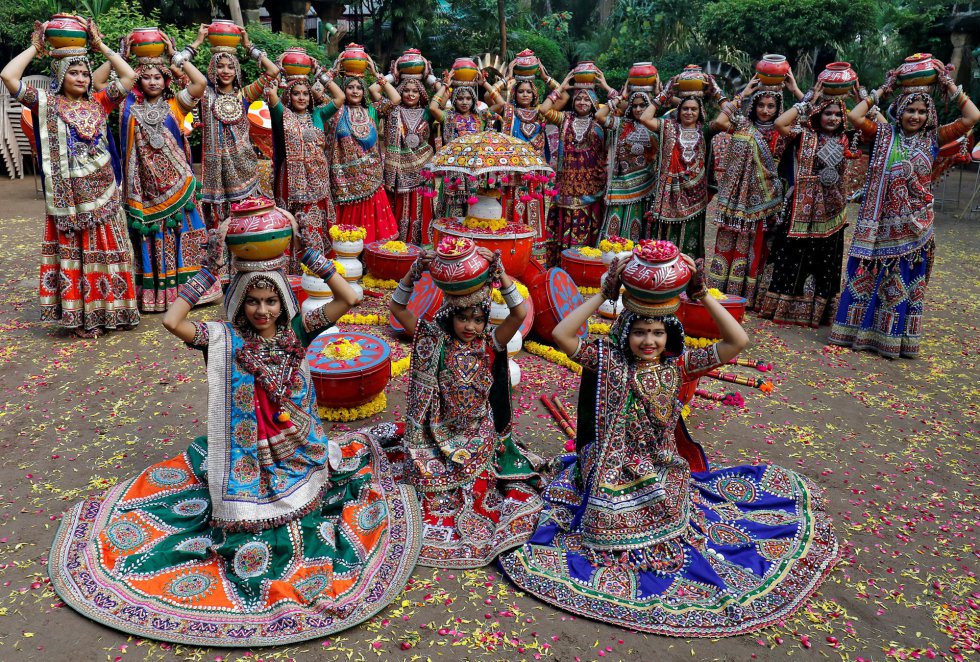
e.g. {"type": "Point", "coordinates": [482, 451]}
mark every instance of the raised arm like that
{"type": "Point", "coordinates": [435, 104]}
{"type": "Point", "coordinates": [398, 304]}
{"type": "Point", "coordinates": [344, 296]}
{"type": "Point", "coordinates": [558, 98]}
{"type": "Point", "coordinates": [649, 117]}
{"type": "Point", "coordinates": [198, 81]}
{"type": "Point", "coordinates": [14, 71]}
{"type": "Point", "coordinates": [515, 302]}
{"type": "Point", "coordinates": [566, 333]}
{"type": "Point", "coordinates": [124, 72]}
{"type": "Point", "coordinates": [733, 336]}
{"type": "Point", "coordinates": [969, 114]}
{"type": "Point", "coordinates": [382, 85]}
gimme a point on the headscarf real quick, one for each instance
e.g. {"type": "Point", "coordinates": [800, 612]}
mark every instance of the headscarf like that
{"type": "Point", "coordinates": [620, 332]}
{"type": "Point", "coordinates": [817, 109]}
{"type": "Point", "coordinates": [590, 94]}
{"type": "Point", "coordinates": [60, 67]}
{"type": "Point", "coordinates": [764, 91]}
{"type": "Point", "coordinates": [144, 66]}
{"type": "Point", "coordinates": [416, 83]}
{"type": "Point", "coordinates": [259, 274]}
{"type": "Point", "coordinates": [286, 90]}
{"type": "Point", "coordinates": [452, 304]}
{"type": "Point", "coordinates": [459, 90]}
{"type": "Point", "coordinates": [213, 69]}
{"type": "Point", "coordinates": [346, 80]}
{"type": "Point", "coordinates": [535, 100]}
{"type": "Point", "coordinates": [898, 107]}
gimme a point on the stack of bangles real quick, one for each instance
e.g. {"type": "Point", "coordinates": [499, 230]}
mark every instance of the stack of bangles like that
{"type": "Point", "coordinates": [402, 294]}
{"type": "Point", "coordinates": [186, 54]}
{"type": "Point", "coordinates": [699, 293]}
{"type": "Point", "coordinates": [255, 53]}
{"type": "Point", "coordinates": [319, 264]}
{"type": "Point", "coordinates": [511, 296]}
{"type": "Point", "coordinates": [197, 286]}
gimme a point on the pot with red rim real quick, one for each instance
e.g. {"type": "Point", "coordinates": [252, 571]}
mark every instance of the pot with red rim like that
{"type": "Point", "coordinates": [838, 78]}
{"type": "Point", "coordinates": [147, 42]}
{"type": "Point", "coordinates": [296, 62]}
{"type": "Point", "coordinates": [224, 34]}
{"type": "Point", "coordinates": [656, 274]}
{"type": "Point", "coordinates": [457, 268]}
{"type": "Point", "coordinates": [258, 230]}
{"type": "Point", "coordinates": [772, 69]}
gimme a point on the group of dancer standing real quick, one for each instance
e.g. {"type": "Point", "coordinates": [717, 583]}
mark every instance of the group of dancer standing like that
{"type": "Point", "coordinates": [268, 531]}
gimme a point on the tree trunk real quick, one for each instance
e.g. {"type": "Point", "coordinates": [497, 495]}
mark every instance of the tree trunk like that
{"type": "Point", "coordinates": [236, 12]}
{"type": "Point", "coordinates": [502, 17]}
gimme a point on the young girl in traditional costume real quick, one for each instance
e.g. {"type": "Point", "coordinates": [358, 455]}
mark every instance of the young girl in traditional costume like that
{"type": "Point", "coordinates": [894, 242]}
{"type": "Point", "coordinates": [159, 188]}
{"type": "Point", "coordinates": [265, 532]}
{"type": "Point", "coordinates": [86, 280]}
{"type": "Point", "coordinates": [637, 531]}
{"type": "Point", "coordinates": [477, 486]}
{"type": "Point", "coordinates": [750, 193]}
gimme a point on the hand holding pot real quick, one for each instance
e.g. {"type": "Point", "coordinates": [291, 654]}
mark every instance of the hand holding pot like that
{"type": "Point", "coordinates": [612, 284]}
{"type": "Point", "coordinates": [695, 287]}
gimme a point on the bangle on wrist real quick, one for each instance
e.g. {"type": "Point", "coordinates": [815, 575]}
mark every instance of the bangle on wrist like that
{"type": "Point", "coordinates": [512, 298]}
{"type": "Point", "coordinates": [401, 295]}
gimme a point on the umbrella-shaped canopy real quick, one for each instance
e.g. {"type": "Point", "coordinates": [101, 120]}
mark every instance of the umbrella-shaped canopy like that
{"type": "Point", "coordinates": [485, 153]}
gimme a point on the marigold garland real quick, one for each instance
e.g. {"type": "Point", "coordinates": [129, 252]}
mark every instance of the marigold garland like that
{"type": "Point", "coordinates": [344, 414]}
{"type": "Point", "coordinates": [341, 350]}
{"type": "Point", "coordinates": [699, 343]}
{"type": "Point", "coordinates": [374, 283]}
{"type": "Point", "coordinates": [715, 293]}
{"type": "Point", "coordinates": [371, 319]}
{"type": "Point", "coordinates": [394, 247]}
{"type": "Point", "coordinates": [599, 328]}
{"type": "Point", "coordinates": [588, 251]}
{"type": "Point", "coordinates": [337, 265]}
{"type": "Point", "coordinates": [588, 291]}
{"type": "Point", "coordinates": [348, 233]}
{"type": "Point", "coordinates": [492, 224]}
{"type": "Point", "coordinates": [400, 366]}
{"type": "Point", "coordinates": [553, 355]}
{"type": "Point", "coordinates": [499, 298]}
{"type": "Point", "coordinates": [615, 245]}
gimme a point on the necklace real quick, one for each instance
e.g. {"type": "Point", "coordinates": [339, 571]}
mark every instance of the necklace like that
{"type": "Point", "coordinates": [831, 153]}
{"type": "Point", "coordinates": [360, 122]}
{"type": "Point", "coordinates": [688, 139]}
{"type": "Point", "coordinates": [638, 139]}
{"type": "Point", "coordinates": [529, 127]}
{"type": "Point", "coordinates": [411, 118]}
{"type": "Point", "coordinates": [150, 116]}
{"type": "Point", "coordinates": [580, 126]}
{"type": "Point", "coordinates": [228, 108]}
{"type": "Point", "coordinates": [308, 131]}
{"type": "Point", "coordinates": [81, 115]}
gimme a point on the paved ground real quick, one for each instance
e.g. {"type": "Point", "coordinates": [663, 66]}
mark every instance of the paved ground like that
{"type": "Point", "coordinates": [893, 442]}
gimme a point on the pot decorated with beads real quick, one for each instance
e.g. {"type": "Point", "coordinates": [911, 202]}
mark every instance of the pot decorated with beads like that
{"type": "Point", "coordinates": [354, 60]}
{"type": "Point", "coordinates": [411, 63]}
{"type": "Point", "coordinates": [838, 78]}
{"type": "Point", "coordinates": [918, 70]}
{"type": "Point", "coordinates": [296, 62]}
{"type": "Point", "coordinates": [585, 73]}
{"type": "Point", "coordinates": [457, 268]}
{"type": "Point", "coordinates": [465, 71]}
{"type": "Point", "coordinates": [258, 230]}
{"type": "Point", "coordinates": [692, 79]}
{"type": "Point", "coordinates": [656, 274]}
{"type": "Point", "coordinates": [147, 42]}
{"type": "Point", "coordinates": [224, 34]}
{"type": "Point", "coordinates": [65, 31]}
{"type": "Point", "coordinates": [772, 69]}
{"type": "Point", "coordinates": [526, 65]}
{"type": "Point", "coordinates": [642, 74]}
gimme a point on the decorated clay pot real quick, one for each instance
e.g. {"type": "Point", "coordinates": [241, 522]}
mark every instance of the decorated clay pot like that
{"type": "Point", "coordinates": [457, 268]}
{"type": "Point", "coordinates": [296, 62]}
{"type": "Point", "coordinates": [642, 74]}
{"type": "Point", "coordinates": [838, 78]}
{"type": "Point", "coordinates": [772, 69]}
{"type": "Point", "coordinates": [465, 71]}
{"type": "Point", "coordinates": [146, 42]}
{"type": "Point", "coordinates": [692, 79]}
{"type": "Point", "coordinates": [585, 73]}
{"type": "Point", "coordinates": [526, 65]}
{"type": "Point", "coordinates": [918, 70]}
{"type": "Point", "coordinates": [258, 230]}
{"type": "Point", "coordinates": [656, 274]}
{"type": "Point", "coordinates": [354, 60]}
{"type": "Point", "coordinates": [65, 31]}
{"type": "Point", "coordinates": [224, 34]}
{"type": "Point", "coordinates": [411, 63]}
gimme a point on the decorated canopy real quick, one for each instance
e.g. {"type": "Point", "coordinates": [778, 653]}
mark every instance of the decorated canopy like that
{"type": "Point", "coordinates": [485, 153]}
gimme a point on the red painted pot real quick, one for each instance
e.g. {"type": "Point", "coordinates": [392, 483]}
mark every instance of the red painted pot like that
{"type": "Point", "coordinates": [465, 70]}
{"type": "Point", "coordinates": [692, 79]}
{"type": "Point", "coordinates": [224, 34]}
{"type": "Point", "coordinates": [656, 273]}
{"type": "Point", "coordinates": [515, 248]}
{"type": "Point", "coordinates": [351, 382]}
{"type": "Point", "coordinates": [411, 63]}
{"type": "Point", "coordinates": [296, 62]}
{"type": "Point", "coordinates": [838, 78]}
{"type": "Point", "coordinates": [457, 268]}
{"type": "Point", "coordinates": [585, 73]}
{"type": "Point", "coordinates": [554, 299]}
{"type": "Point", "coordinates": [258, 230]}
{"type": "Point", "coordinates": [354, 60]}
{"type": "Point", "coordinates": [585, 271]}
{"type": "Point", "coordinates": [917, 71]}
{"type": "Point", "coordinates": [65, 31]}
{"type": "Point", "coordinates": [697, 320]}
{"type": "Point", "coordinates": [526, 65]}
{"type": "Point", "coordinates": [642, 74]}
{"type": "Point", "coordinates": [147, 42]}
{"type": "Point", "coordinates": [387, 265]}
{"type": "Point", "coordinates": [772, 69]}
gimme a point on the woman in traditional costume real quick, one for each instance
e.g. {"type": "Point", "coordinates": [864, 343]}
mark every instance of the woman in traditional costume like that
{"type": "Point", "coordinates": [476, 484]}
{"type": "Point", "coordinates": [637, 531]}
{"type": "Point", "coordinates": [408, 148]}
{"type": "Point", "coordinates": [894, 245]}
{"type": "Point", "coordinates": [750, 193]}
{"type": "Point", "coordinates": [302, 173]}
{"type": "Point", "coordinates": [354, 154]}
{"type": "Point", "coordinates": [228, 160]}
{"type": "Point", "coordinates": [265, 532]}
{"type": "Point", "coordinates": [680, 198]}
{"type": "Point", "coordinates": [632, 157]}
{"type": "Point", "coordinates": [86, 280]}
{"type": "Point", "coordinates": [808, 249]}
{"type": "Point", "coordinates": [577, 210]}
{"type": "Point", "coordinates": [159, 188]}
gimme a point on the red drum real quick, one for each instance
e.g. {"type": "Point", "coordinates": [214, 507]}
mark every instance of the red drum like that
{"type": "Point", "coordinates": [349, 382]}
{"type": "Point", "coordinates": [553, 302]}
{"type": "Point", "coordinates": [260, 127]}
{"type": "Point", "coordinates": [296, 285]}
{"type": "Point", "coordinates": [515, 247]}
{"type": "Point", "coordinates": [390, 266]}
{"type": "Point", "coordinates": [425, 302]}
{"type": "Point", "coordinates": [534, 275]}
{"type": "Point", "coordinates": [528, 324]}
{"type": "Point", "coordinates": [697, 320]}
{"type": "Point", "coordinates": [585, 271]}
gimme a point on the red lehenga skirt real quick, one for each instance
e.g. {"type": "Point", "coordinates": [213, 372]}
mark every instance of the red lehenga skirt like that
{"type": "Point", "coordinates": [372, 213]}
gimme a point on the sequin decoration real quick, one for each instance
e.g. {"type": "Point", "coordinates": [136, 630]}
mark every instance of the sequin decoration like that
{"type": "Point", "coordinates": [252, 559]}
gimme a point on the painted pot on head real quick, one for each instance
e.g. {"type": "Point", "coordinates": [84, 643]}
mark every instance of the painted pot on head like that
{"type": "Point", "coordinates": [918, 70]}
{"type": "Point", "coordinates": [642, 74]}
{"type": "Point", "coordinates": [691, 80]}
{"type": "Point", "coordinates": [526, 65]}
{"type": "Point", "coordinates": [411, 63]}
{"type": "Point", "coordinates": [772, 69]}
{"type": "Point", "coordinates": [585, 73]}
{"type": "Point", "coordinates": [147, 42]}
{"type": "Point", "coordinates": [656, 276]}
{"type": "Point", "coordinates": [465, 71]}
{"type": "Point", "coordinates": [457, 268]}
{"type": "Point", "coordinates": [224, 34]}
{"type": "Point", "coordinates": [296, 62]}
{"type": "Point", "coordinates": [258, 230]}
{"type": "Point", "coordinates": [65, 31]}
{"type": "Point", "coordinates": [838, 78]}
{"type": "Point", "coordinates": [354, 61]}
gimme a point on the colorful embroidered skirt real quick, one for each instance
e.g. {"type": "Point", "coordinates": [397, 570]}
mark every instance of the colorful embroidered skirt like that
{"type": "Point", "coordinates": [468, 526]}
{"type": "Point", "coordinates": [168, 258]}
{"type": "Point", "coordinates": [687, 235]}
{"type": "Point", "coordinates": [758, 545]}
{"type": "Point", "coordinates": [881, 304]}
{"type": "Point", "coordinates": [372, 213]}
{"type": "Point", "coordinates": [87, 277]}
{"type": "Point", "coordinates": [144, 558]}
{"type": "Point", "coordinates": [573, 226]}
{"type": "Point", "coordinates": [739, 260]}
{"type": "Point", "coordinates": [413, 213]}
{"type": "Point", "coordinates": [625, 220]}
{"type": "Point", "coordinates": [804, 285]}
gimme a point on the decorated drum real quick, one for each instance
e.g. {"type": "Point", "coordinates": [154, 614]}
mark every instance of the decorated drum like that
{"type": "Point", "coordinates": [697, 320]}
{"type": "Point", "coordinates": [554, 301]}
{"type": "Point", "coordinates": [349, 382]}
{"type": "Point", "coordinates": [65, 31]}
{"type": "Point", "coordinates": [688, 388]}
{"type": "Point", "coordinates": [424, 304]}
{"type": "Point", "coordinates": [585, 271]}
{"type": "Point", "coordinates": [838, 78]}
{"type": "Point", "coordinates": [411, 63]}
{"type": "Point", "coordinates": [387, 265]}
{"type": "Point", "coordinates": [772, 69]}
{"type": "Point", "coordinates": [526, 65]}
{"type": "Point", "coordinates": [642, 75]}
{"type": "Point", "coordinates": [258, 230]}
{"type": "Point", "coordinates": [534, 274]}
{"type": "Point", "coordinates": [224, 34]}
{"type": "Point", "coordinates": [146, 42]}
{"type": "Point", "coordinates": [918, 70]}
{"type": "Point", "coordinates": [296, 285]}
{"type": "Point", "coordinates": [515, 247]}
{"type": "Point", "coordinates": [296, 62]}
{"type": "Point", "coordinates": [465, 71]}
{"type": "Point", "coordinates": [260, 127]}
{"type": "Point", "coordinates": [528, 324]}
{"type": "Point", "coordinates": [354, 60]}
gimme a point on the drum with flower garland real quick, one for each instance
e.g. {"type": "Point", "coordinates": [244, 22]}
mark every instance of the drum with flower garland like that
{"type": "Point", "coordinates": [585, 270]}
{"type": "Point", "coordinates": [554, 300]}
{"type": "Point", "coordinates": [390, 260]}
{"type": "Point", "coordinates": [424, 304]}
{"type": "Point", "coordinates": [349, 368]}
{"type": "Point", "coordinates": [515, 241]}
{"type": "Point", "coordinates": [697, 320]}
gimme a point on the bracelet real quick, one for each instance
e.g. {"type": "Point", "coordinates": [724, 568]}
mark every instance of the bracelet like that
{"type": "Point", "coordinates": [552, 83]}
{"type": "Point", "coordinates": [319, 264]}
{"type": "Point", "coordinates": [192, 49]}
{"type": "Point", "coordinates": [512, 297]}
{"type": "Point", "coordinates": [255, 53]}
{"type": "Point", "coordinates": [612, 96]}
{"type": "Point", "coordinates": [178, 59]}
{"type": "Point", "coordinates": [802, 108]}
{"type": "Point", "coordinates": [700, 294]}
{"type": "Point", "coordinates": [197, 286]}
{"type": "Point", "coordinates": [554, 96]}
{"type": "Point", "coordinates": [186, 99]}
{"type": "Point", "coordinates": [401, 295]}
